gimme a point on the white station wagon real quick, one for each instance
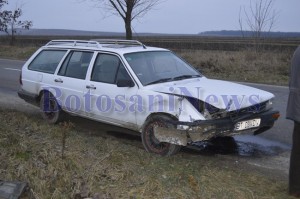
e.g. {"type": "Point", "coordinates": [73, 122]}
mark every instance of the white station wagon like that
{"type": "Point", "coordinates": [145, 89]}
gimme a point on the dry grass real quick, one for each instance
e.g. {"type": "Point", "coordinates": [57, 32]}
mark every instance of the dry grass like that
{"type": "Point", "coordinates": [249, 66]}
{"type": "Point", "coordinates": [16, 52]}
{"type": "Point", "coordinates": [31, 151]}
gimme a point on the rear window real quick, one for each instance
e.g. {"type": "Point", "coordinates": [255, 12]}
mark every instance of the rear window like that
{"type": "Point", "coordinates": [47, 61]}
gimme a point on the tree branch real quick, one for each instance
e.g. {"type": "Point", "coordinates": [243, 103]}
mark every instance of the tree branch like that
{"type": "Point", "coordinates": [117, 9]}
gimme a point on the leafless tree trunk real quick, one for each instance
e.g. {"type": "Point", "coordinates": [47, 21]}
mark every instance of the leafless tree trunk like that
{"type": "Point", "coordinates": [128, 10]}
{"type": "Point", "coordinates": [259, 18]}
{"type": "Point", "coordinates": [241, 23]}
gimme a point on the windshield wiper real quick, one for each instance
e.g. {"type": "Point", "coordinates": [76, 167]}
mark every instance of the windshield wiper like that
{"type": "Point", "coordinates": [175, 78]}
{"type": "Point", "coordinates": [185, 77]}
{"type": "Point", "coordinates": [160, 81]}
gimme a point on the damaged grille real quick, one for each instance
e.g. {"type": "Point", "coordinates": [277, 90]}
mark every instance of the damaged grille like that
{"type": "Point", "coordinates": [257, 108]}
{"type": "Point", "coordinates": [216, 113]}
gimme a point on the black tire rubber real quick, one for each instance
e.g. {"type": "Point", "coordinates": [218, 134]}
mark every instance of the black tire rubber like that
{"type": "Point", "coordinates": [50, 109]}
{"type": "Point", "coordinates": [151, 144]}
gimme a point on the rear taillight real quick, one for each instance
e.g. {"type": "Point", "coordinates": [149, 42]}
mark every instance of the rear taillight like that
{"type": "Point", "coordinates": [20, 79]}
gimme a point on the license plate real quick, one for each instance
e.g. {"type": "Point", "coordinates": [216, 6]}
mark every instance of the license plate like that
{"type": "Point", "coordinates": [247, 124]}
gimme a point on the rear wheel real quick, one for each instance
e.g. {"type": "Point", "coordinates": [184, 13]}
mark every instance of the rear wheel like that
{"type": "Point", "coordinates": [151, 144]}
{"type": "Point", "coordinates": [50, 109]}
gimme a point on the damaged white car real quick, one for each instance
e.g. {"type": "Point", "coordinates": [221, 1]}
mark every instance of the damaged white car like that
{"type": "Point", "coordinates": [146, 89]}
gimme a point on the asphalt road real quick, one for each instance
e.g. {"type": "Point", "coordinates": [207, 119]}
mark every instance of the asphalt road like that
{"type": "Point", "coordinates": [281, 132]}
{"type": "Point", "coordinates": [9, 74]}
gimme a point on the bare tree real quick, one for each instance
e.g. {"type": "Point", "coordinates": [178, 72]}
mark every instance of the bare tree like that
{"type": "Point", "coordinates": [128, 10]}
{"type": "Point", "coordinates": [259, 18]}
{"type": "Point", "coordinates": [3, 16]}
{"type": "Point", "coordinates": [241, 22]}
{"type": "Point", "coordinates": [2, 2]}
{"type": "Point", "coordinates": [10, 23]}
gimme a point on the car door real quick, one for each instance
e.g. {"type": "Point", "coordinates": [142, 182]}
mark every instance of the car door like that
{"type": "Point", "coordinates": [70, 81]}
{"type": "Point", "coordinates": [107, 101]}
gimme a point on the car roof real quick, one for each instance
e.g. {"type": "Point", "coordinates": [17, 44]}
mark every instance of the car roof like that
{"type": "Point", "coordinates": [108, 45]}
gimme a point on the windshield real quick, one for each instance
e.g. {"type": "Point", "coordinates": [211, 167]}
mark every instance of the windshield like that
{"type": "Point", "coordinates": [159, 66]}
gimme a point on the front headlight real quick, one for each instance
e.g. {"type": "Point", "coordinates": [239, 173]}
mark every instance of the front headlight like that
{"type": "Point", "coordinates": [269, 104]}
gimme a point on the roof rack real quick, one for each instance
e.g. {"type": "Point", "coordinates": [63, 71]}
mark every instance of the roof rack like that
{"type": "Point", "coordinates": [74, 43]}
{"type": "Point", "coordinates": [98, 43]}
{"type": "Point", "coordinates": [120, 42]}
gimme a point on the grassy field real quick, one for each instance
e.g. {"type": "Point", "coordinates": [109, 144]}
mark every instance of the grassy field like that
{"type": "Point", "coordinates": [62, 161]}
{"type": "Point", "coordinates": [247, 66]}
{"type": "Point", "coordinates": [269, 67]}
{"type": "Point", "coordinates": [16, 52]}
{"type": "Point", "coordinates": [191, 42]}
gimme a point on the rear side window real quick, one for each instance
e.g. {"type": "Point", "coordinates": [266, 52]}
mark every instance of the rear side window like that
{"type": "Point", "coordinates": [47, 61]}
{"type": "Point", "coordinates": [76, 64]}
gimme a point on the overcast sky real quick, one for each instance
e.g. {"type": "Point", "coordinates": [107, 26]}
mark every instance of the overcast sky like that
{"type": "Point", "coordinates": [171, 16]}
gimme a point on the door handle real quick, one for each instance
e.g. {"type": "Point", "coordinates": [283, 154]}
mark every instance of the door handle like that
{"type": "Point", "coordinates": [59, 80]}
{"type": "Point", "coordinates": [91, 87]}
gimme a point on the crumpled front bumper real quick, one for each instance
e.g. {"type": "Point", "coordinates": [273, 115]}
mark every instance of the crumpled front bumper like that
{"type": "Point", "coordinates": [205, 129]}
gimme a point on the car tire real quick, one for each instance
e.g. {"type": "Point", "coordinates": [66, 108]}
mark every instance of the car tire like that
{"type": "Point", "coordinates": [151, 144]}
{"type": "Point", "coordinates": [50, 109]}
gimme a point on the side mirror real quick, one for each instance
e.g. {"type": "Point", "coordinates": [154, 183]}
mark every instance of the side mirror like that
{"type": "Point", "coordinates": [125, 83]}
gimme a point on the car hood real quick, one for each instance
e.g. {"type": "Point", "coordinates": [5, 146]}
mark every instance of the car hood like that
{"type": "Point", "coordinates": [221, 94]}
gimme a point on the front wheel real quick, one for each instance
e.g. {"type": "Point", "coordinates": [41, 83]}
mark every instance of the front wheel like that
{"type": "Point", "coordinates": [50, 109]}
{"type": "Point", "coordinates": [151, 144]}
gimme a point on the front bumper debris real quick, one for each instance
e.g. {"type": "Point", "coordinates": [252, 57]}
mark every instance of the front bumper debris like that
{"type": "Point", "coordinates": [206, 129]}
